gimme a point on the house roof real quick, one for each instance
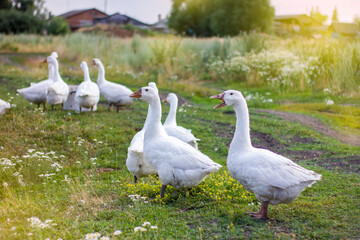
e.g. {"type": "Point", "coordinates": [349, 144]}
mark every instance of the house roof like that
{"type": "Point", "coordinates": [345, 28]}
{"type": "Point", "coordinates": [77, 12]}
{"type": "Point", "coordinates": [299, 18]}
{"type": "Point", "coordinates": [117, 17]}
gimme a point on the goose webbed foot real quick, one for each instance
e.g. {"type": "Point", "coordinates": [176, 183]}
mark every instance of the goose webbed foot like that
{"type": "Point", "coordinates": [262, 214]}
{"type": "Point", "coordinates": [163, 188]}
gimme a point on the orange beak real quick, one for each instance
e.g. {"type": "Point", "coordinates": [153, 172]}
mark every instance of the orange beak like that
{"type": "Point", "coordinates": [136, 94]}
{"type": "Point", "coordinates": [165, 100]}
{"type": "Point", "coordinates": [221, 97]}
{"type": "Point", "coordinates": [45, 60]}
{"type": "Point", "coordinates": [93, 63]}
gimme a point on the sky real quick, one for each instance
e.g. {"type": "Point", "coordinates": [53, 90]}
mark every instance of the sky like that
{"type": "Point", "coordinates": [148, 10]}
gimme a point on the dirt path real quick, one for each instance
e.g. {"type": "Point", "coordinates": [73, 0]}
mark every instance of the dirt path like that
{"type": "Point", "coordinates": [317, 125]}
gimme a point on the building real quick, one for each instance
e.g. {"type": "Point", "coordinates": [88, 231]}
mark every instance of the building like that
{"type": "Point", "coordinates": [161, 25]}
{"type": "Point", "coordinates": [82, 18]}
{"type": "Point", "coordinates": [347, 30]}
{"type": "Point", "coordinates": [300, 24]}
{"type": "Point", "coordinates": [118, 18]}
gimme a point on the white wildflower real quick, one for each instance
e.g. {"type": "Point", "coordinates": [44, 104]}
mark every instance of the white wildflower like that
{"type": "Point", "coordinates": [117, 232]}
{"type": "Point", "coordinates": [92, 235]}
{"type": "Point", "coordinates": [136, 229]}
{"type": "Point", "coordinates": [146, 224]}
{"type": "Point", "coordinates": [154, 227]}
{"type": "Point", "coordinates": [66, 179]}
{"type": "Point", "coordinates": [326, 90]}
{"type": "Point", "coordinates": [329, 102]}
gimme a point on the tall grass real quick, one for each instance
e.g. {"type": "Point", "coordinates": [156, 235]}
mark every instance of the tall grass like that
{"type": "Point", "coordinates": [307, 64]}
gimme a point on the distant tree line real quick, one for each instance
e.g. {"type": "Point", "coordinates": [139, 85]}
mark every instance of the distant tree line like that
{"type": "Point", "coordinates": [29, 16]}
{"type": "Point", "coordinates": [221, 17]}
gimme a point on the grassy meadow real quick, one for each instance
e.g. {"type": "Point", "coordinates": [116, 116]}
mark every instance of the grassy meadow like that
{"type": "Point", "coordinates": [63, 174]}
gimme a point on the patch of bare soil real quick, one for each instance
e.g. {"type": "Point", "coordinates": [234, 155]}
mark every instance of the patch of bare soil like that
{"type": "Point", "coordinates": [266, 141]}
{"type": "Point", "coordinates": [317, 125]}
{"type": "Point", "coordinates": [349, 163]}
{"type": "Point", "coordinates": [5, 59]}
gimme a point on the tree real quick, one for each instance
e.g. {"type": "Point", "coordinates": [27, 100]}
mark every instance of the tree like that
{"type": "Point", "coordinates": [22, 16]}
{"type": "Point", "coordinates": [23, 5]}
{"type": "Point", "coordinates": [334, 17]}
{"type": "Point", "coordinates": [315, 14]}
{"type": "Point", "coordinates": [12, 21]}
{"type": "Point", "coordinates": [58, 26]}
{"type": "Point", "coordinates": [357, 20]}
{"type": "Point", "coordinates": [5, 4]}
{"type": "Point", "coordinates": [220, 17]}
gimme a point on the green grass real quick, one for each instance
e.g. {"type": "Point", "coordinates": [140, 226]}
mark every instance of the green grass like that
{"type": "Point", "coordinates": [91, 190]}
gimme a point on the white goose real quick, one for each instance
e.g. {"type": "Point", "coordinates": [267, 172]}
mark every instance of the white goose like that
{"type": "Point", "coordinates": [177, 163]}
{"type": "Point", "coordinates": [172, 129]}
{"type": "Point", "coordinates": [58, 90]}
{"type": "Point", "coordinates": [4, 106]}
{"type": "Point", "coordinates": [51, 74]}
{"type": "Point", "coordinates": [116, 94]}
{"type": "Point", "coordinates": [36, 93]}
{"type": "Point", "coordinates": [273, 178]}
{"type": "Point", "coordinates": [136, 162]}
{"type": "Point", "coordinates": [87, 94]}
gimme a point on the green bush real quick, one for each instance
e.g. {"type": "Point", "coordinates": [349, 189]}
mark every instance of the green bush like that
{"type": "Point", "coordinates": [12, 21]}
{"type": "Point", "coordinates": [58, 26]}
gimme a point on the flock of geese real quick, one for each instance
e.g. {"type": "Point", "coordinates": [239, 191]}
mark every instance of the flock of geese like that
{"type": "Point", "coordinates": [171, 152]}
{"type": "Point", "coordinates": [55, 91]}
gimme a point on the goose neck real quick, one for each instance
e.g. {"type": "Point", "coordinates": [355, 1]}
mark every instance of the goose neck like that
{"type": "Point", "coordinates": [171, 118]}
{"type": "Point", "coordinates": [56, 71]}
{"type": "Point", "coordinates": [154, 128]}
{"type": "Point", "coordinates": [148, 116]}
{"type": "Point", "coordinates": [86, 74]}
{"type": "Point", "coordinates": [101, 76]}
{"type": "Point", "coordinates": [51, 72]}
{"type": "Point", "coordinates": [241, 140]}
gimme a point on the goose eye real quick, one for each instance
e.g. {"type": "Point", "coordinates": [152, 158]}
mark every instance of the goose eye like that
{"type": "Point", "coordinates": [146, 90]}
{"type": "Point", "coordinates": [231, 93]}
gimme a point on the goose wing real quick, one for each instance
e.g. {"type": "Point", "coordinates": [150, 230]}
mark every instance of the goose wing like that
{"type": "Point", "coordinates": [262, 167]}
{"type": "Point", "coordinates": [178, 154]}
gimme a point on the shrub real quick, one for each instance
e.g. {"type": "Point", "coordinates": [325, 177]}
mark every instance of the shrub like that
{"type": "Point", "coordinates": [58, 26]}
{"type": "Point", "coordinates": [12, 21]}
